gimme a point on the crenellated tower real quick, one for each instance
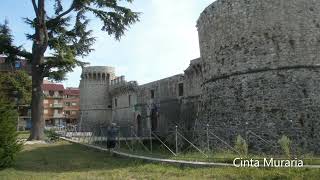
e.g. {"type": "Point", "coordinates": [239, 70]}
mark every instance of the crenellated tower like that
{"type": "Point", "coordinates": [95, 100]}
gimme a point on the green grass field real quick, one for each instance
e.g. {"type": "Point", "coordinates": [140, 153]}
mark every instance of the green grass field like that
{"type": "Point", "coordinates": [64, 160]}
{"type": "Point", "coordinates": [23, 134]}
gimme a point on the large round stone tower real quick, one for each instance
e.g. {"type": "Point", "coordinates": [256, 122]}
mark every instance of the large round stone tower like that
{"type": "Point", "coordinates": [261, 66]}
{"type": "Point", "coordinates": [95, 102]}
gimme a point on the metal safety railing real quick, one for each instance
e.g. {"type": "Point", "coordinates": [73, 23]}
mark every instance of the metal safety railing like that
{"type": "Point", "coordinates": [175, 142]}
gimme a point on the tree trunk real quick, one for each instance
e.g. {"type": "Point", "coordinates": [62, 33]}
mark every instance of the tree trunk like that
{"type": "Point", "coordinates": [37, 130]}
{"type": "Point", "coordinates": [39, 47]}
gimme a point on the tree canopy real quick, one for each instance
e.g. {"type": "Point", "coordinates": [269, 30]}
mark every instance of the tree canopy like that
{"type": "Point", "coordinates": [67, 35]}
{"type": "Point", "coordinates": [15, 86]}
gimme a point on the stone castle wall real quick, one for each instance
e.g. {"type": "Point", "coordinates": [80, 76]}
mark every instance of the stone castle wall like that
{"type": "Point", "coordinates": [124, 99]}
{"type": "Point", "coordinates": [161, 112]}
{"type": "Point", "coordinates": [261, 64]}
{"type": "Point", "coordinates": [192, 91]}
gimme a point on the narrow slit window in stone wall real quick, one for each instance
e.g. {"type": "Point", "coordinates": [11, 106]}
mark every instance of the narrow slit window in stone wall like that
{"type": "Point", "coordinates": [129, 98]}
{"type": "Point", "coordinates": [180, 89]}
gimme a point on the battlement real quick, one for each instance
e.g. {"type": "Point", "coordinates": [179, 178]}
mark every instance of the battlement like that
{"type": "Point", "coordinates": [98, 73]}
{"type": "Point", "coordinates": [195, 67]}
{"type": "Point", "coordinates": [120, 86]}
{"type": "Point", "coordinates": [118, 81]}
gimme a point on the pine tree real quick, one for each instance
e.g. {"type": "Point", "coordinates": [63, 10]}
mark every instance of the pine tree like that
{"type": "Point", "coordinates": [66, 34]}
{"type": "Point", "coordinates": [15, 86]}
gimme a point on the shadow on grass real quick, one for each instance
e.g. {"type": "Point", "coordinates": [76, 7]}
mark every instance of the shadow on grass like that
{"type": "Point", "coordinates": [64, 157]}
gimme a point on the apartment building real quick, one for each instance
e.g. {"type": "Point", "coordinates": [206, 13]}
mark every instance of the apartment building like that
{"type": "Point", "coordinates": [71, 105]}
{"type": "Point", "coordinates": [19, 64]}
{"type": "Point", "coordinates": [53, 104]}
{"type": "Point", "coordinates": [60, 105]}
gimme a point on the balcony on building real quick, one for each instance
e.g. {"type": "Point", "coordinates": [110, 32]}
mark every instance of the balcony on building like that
{"type": "Point", "coordinates": [20, 64]}
{"type": "Point", "coordinates": [52, 91]}
{"type": "Point", "coordinates": [57, 115]}
{"type": "Point", "coordinates": [56, 105]}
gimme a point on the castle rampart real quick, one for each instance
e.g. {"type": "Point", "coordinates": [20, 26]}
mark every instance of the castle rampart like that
{"type": "Point", "coordinates": [261, 71]}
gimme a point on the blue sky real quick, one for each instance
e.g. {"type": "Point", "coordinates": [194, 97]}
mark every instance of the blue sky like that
{"type": "Point", "coordinates": [160, 45]}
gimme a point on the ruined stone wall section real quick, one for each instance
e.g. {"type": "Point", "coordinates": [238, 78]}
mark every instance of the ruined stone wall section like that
{"type": "Point", "coordinates": [193, 79]}
{"type": "Point", "coordinates": [165, 100]}
{"type": "Point", "coordinates": [124, 113]}
{"type": "Point", "coordinates": [261, 71]}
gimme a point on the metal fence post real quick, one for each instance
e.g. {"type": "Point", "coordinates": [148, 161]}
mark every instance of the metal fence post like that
{"type": "Point", "coordinates": [150, 135]}
{"type": "Point", "coordinates": [208, 142]}
{"type": "Point", "coordinates": [176, 139]}
{"type": "Point", "coordinates": [119, 142]}
{"type": "Point", "coordinates": [101, 137]}
{"type": "Point", "coordinates": [131, 135]}
{"type": "Point", "coordinates": [246, 131]}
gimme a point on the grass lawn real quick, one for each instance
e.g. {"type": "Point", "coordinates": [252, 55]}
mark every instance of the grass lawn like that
{"type": "Point", "coordinates": [64, 160]}
{"type": "Point", "coordinates": [23, 134]}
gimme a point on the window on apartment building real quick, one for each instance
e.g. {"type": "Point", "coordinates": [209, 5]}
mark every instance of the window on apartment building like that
{"type": "Point", "coordinates": [73, 112]}
{"type": "Point", "coordinates": [129, 99]}
{"type": "Point", "coordinates": [60, 93]}
{"type": "Point", "coordinates": [45, 101]}
{"type": "Point", "coordinates": [67, 112]}
{"type": "Point", "coordinates": [152, 94]}
{"type": "Point", "coordinates": [45, 111]}
{"type": "Point", "coordinates": [115, 102]}
{"type": "Point", "coordinates": [67, 103]}
{"type": "Point", "coordinates": [51, 93]}
{"type": "Point", "coordinates": [180, 89]}
{"type": "Point", "coordinates": [74, 104]}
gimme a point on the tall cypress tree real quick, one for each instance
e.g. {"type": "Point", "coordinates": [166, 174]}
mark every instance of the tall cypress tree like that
{"type": "Point", "coordinates": [67, 35]}
{"type": "Point", "coordinates": [9, 146]}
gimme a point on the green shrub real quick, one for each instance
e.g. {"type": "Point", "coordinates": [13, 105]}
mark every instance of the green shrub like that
{"type": "Point", "coordinates": [52, 135]}
{"type": "Point", "coordinates": [9, 145]}
{"type": "Point", "coordinates": [241, 146]}
{"type": "Point", "coordinates": [285, 144]}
